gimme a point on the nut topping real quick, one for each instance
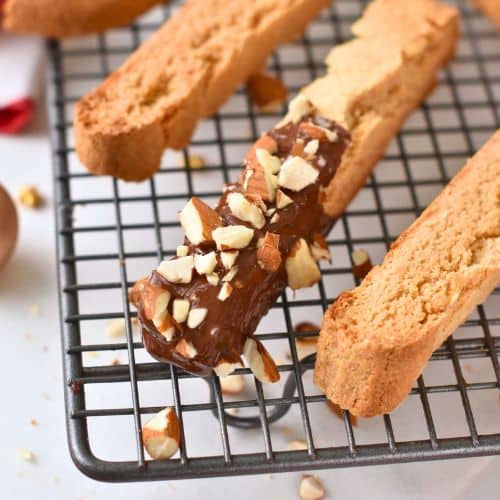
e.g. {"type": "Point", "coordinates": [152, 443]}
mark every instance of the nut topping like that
{"type": "Point", "coordinates": [260, 362]}
{"type": "Point", "coordinates": [269, 162]}
{"type": "Point", "coordinates": [298, 107]}
{"type": "Point", "coordinates": [320, 249]}
{"type": "Point", "coordinates": [230, 274]}
{"type": "Point", "coordinates": [177, 270]}
{"type": "Point", "coordinates": [224, 369]}
{"type": "Point", "coordinates": [186, 349]}
{"type": "Point", "coordinates": [205, 264]}
{"type": "Point", "coordinates": [296, 174]}
{"type": "Point", "coordinates": [301, 268]}
{"type": "Point", "coordinates": [182, 250]}
{"type": "Point", "coordinates": [362, 263]}
{"type": "Point", "coordinates": [268, 255]}
{"type": "Point", "coordinates": [213, 279]}
{"type": "Point", "coordinates": [228, 259]}
{"type": "Point", "coordinates": [282, 200]}
{"type": "Point", "coordinates": [232, 384]}
{"type": "Point", "coordinates": [198, 221]}
{"type": "Point", "coordinates": [196, 317]}
{"type": "Point", "coordinates": [225, 291]}
{"type": "Point", "coordinates": [232, 237]}
{"type": "Point", "coordinates": [180, 310]}
{"type": "Point", "coordinates": [161, 435]}
{"type": "Point", "coordinates": [246, 210]}
{"type": "Point", "coordinates": [311, 148]}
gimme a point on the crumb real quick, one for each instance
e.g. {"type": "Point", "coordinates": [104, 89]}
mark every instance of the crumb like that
{"type": "Point", "coordinates": [54, 479]}
{"type": "Point", "coordinates": [193, 161]}
{"type": "Point", "coordinates": [270, 476]}
{"type": "Point", "coordinates": [115, 329]}
{"type": "Point", "coordinates": [88, 355]}
{"type": "Point", "coordinates": [30, 197]}
{"type": "Point", "coordinates": [34, 422]}
{"type": "Point", "coordinates": [28, 336]}
{"type": "Point", "coordinates": [115, 362]}
{"type": "Point", "coordinates": [171, 486]}
{"type": "Point", "coordinates": [468, 368]}
{"type": "Point", "coordinates": [122, 262]}
{"type": "Point", "coordinates": [26, 455]}
{"type": "Point", "coordinates": [46, 396]}
{"type": "Point", "coordinates": [45, 348]}
{"type": "Point", "coordinates": [35, 310]}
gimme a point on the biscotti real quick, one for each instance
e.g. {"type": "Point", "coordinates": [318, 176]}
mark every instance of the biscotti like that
{"type": "Point", "coordinates": [374, 81]}
{"type": "Point", "coordinates": [199, 310]}
{"type": "Point", "coordinates": [490, 8]}
{"type": "Point", "coordinates": [184, 72]}
{"type": "Point", "coordinates": [63, 18]}
{"type": "Point", "coordinates": [378, 338]}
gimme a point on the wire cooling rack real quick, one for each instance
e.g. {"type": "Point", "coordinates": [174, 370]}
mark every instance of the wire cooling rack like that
{"type": "Point", "coordinates": [110, 233]}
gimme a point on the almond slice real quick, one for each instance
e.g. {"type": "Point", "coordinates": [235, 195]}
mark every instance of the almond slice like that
{"type": "Point", "coordinates": [311, 148]}
{"type": "Point", "coordinates": [182, 250]}
{"type": "Point", "coordinates": [246, 210]}
{"type": "Point", "coordinates": [198, 221]}
{"type": "Point", "coordinates": [232, 237]}
{"type": "Point", "coordinates": [213, 279]}
{"type": "Point", "coordinates": [296, 174]}
{"type": "Point", "coordinates": [225, 368]}
{"type": "Point", "coordinates": [230, 274]}
{"type": "Point", "coordinates": [177, 270]}
{"type": "Point", "coordinates": [301, 268]}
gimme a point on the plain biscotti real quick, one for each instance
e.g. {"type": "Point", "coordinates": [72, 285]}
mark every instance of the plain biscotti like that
{"type": "Point", "coordinates": [62, 18]}
{"type": "Point", "coordinates": [491, 8]}
{"type": "Point", "coordinates": [184, 72]}
{"type": "Point", "coordinates": [377, 338]}
{"type": "Point", "coordinates": [374, 81]}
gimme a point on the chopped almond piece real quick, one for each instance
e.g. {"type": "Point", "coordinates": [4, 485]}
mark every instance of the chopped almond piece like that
{"type": "Point", "coordinates": [268, 255]}
{"type": "Point", "coordinates": [30, 197]}
{"type": "Point", "coordinates": [301, 268]}
{"type": "Point", "coordinates": [199, 220]}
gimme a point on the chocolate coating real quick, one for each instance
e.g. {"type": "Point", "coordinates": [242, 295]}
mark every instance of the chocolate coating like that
{"type": "Point", "coordinates": [222, 334]}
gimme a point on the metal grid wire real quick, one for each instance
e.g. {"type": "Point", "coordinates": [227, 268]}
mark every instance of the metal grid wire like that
{"type": "Point", "coordinates": [109, 233]}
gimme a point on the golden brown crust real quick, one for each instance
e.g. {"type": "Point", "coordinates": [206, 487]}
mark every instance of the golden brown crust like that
{"type": "Point", "coordinates": [63, 18]}
{"type": "Point", "coordinates": [490, 8]}
{"type": "Point", "coordinates": [377, 338]}
{"type": "Point", "coordinates": [184, 72]}
{"type": "Point", "coordinates": [399, 49]}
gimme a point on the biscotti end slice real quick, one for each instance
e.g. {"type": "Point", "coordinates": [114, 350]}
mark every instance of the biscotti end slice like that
{"type": "Point", "coordinates": [184, 72]}
{"type": "Point", "coordinates": [374, 81]}
{"type": "Point", "coordinates": [490, 8]}
{"type": "Point", "coordinates": [63, 18]}
{"type": "Point", "coordinates": [377, 338]}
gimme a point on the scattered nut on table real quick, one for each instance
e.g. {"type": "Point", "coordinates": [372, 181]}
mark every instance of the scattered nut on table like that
{"type": "Point", "coordinates": [193, 161]}
{"type": "Point", "coordinates": [161, 435]}
{"type": "Point", "coordinates": [30, 197]}
{"type": "Point", "coordinates": [311, 488]}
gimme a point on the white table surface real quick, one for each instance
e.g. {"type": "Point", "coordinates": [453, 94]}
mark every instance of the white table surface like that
{"type": "Point", "coordinates": [31, 387]}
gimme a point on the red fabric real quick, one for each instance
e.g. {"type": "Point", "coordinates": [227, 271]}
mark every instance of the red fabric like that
{"type": "Point", "coordinates": [16, 115]}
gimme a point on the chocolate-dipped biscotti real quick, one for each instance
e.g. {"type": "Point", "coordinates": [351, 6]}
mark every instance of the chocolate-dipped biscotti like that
{"type": "Point", "coordinates": [184, 72]}
{"type": "Point", "coordinates": [377, 339]}
{"type": "Point", "coordinates": [64, 18]}
{"type": "Point", "coordinates": [200, 309]}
